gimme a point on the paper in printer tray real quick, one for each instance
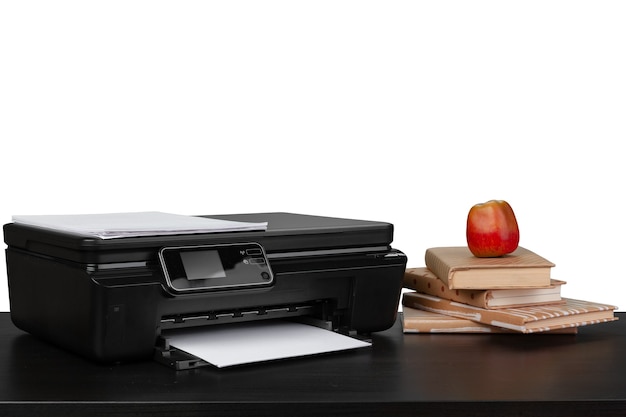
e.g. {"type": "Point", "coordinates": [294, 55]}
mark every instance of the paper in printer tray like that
{"type": "Point", "coordinates": [110, 299]}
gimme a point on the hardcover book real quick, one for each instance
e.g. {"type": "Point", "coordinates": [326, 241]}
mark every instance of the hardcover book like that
{"type": "Point", "coordinates": [415, 320]}
{"type": "Point", "coordinates": [424, 281]}
{"type": "Point", "coordinates": [458, 268]}
{"type": "Point", "coordinates": [574, 313]}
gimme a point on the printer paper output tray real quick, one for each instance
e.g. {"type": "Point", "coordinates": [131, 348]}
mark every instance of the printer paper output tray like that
{"type": "Point", "coordinates": [179, 360]}
{"type": "Point", "coordinates": [115, 300]}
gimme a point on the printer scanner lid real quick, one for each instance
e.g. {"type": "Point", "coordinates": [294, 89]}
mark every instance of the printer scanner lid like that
{"type": "Point", "coordinates": [286, 232]}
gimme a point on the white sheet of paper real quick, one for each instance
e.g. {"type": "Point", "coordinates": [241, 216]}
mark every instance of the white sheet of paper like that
{"type": "Point", "coordinates": [244, 343]}
{"type": "Point", "coordinates": [149, 223]}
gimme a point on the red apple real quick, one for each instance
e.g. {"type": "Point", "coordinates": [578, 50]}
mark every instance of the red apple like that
{"type": "Point", "coordinates": [492, 229]}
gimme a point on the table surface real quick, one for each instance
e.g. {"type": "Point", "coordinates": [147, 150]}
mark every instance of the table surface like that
{"type": "Point", "coordinates": [399, 375]}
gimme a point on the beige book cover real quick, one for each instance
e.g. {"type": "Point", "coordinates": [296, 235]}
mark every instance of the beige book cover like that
{"type": "Point", "coordinates": [574, 313]}
{"type": "Point", "coordinates": [460, 269]}
{"type": "Point", "coordinates": [415, 320]}
{"type": "Point", "coordinates": [425, 281]}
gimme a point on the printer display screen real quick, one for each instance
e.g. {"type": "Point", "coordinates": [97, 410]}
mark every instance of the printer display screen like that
{"type": "Point", "coordinates": [202, 264]}
{"type": "Point", "coordinates": [215, 267]}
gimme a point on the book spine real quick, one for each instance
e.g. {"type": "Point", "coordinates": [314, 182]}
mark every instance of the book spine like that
{"type": "Point", "coordinates": [447, 324]}
{"type": "Point", "coordinates": [439, 326]}
{"type": "Point", "coordinates": [438, 267]}
{"type": "Point", "coordinates": [424, 281]}
{"type": "Point", "coordinates": [451, 308]}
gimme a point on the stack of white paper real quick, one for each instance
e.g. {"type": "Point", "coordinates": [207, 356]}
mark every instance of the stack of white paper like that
{"type": "Point", "coordinates": [116, 225]}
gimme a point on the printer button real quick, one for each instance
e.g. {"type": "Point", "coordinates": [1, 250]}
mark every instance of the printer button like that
{"type": "Point", "coordinates": [257, 260]}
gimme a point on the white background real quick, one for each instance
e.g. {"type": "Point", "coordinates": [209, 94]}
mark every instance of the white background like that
{"type": "Point", "coordinates": [406, 112]}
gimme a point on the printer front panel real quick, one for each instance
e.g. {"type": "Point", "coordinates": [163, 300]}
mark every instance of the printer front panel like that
{"type": "Point", "coordinates": [116, 313]}
{"type": "Point", "coordinates": [356, 292]}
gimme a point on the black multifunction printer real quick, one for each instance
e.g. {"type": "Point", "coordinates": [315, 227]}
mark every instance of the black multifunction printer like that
{"type": "Point", "coordinates": [115, 300]}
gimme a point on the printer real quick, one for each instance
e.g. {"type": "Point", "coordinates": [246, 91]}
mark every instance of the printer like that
{"type": "Point", "coordinates": [116, 300]}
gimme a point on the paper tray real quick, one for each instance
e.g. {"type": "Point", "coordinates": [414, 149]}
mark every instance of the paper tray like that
{"type": "Point", "coordinates": [241, 344]}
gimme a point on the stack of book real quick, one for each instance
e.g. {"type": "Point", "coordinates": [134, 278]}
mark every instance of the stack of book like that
{"type": "Point", "coordinates": [459, 293]}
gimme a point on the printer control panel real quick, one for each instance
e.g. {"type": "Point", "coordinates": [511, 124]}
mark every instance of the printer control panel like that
{"type": "Point", "coordinates": [215, 267]}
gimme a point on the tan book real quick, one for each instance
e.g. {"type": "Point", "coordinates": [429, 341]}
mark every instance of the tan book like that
{"type": "Point", "coordinates": [415, 320]}
{"type": "Point", "coordinates": [423, 280]}
{"type": "Point", "coordinates": [460, 269]}
{"type": "Point", "coordinates": [574, 313]}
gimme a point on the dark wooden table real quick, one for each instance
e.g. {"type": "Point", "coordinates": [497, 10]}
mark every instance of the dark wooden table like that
{"type": "Point", "coordinates": [400, 375]}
